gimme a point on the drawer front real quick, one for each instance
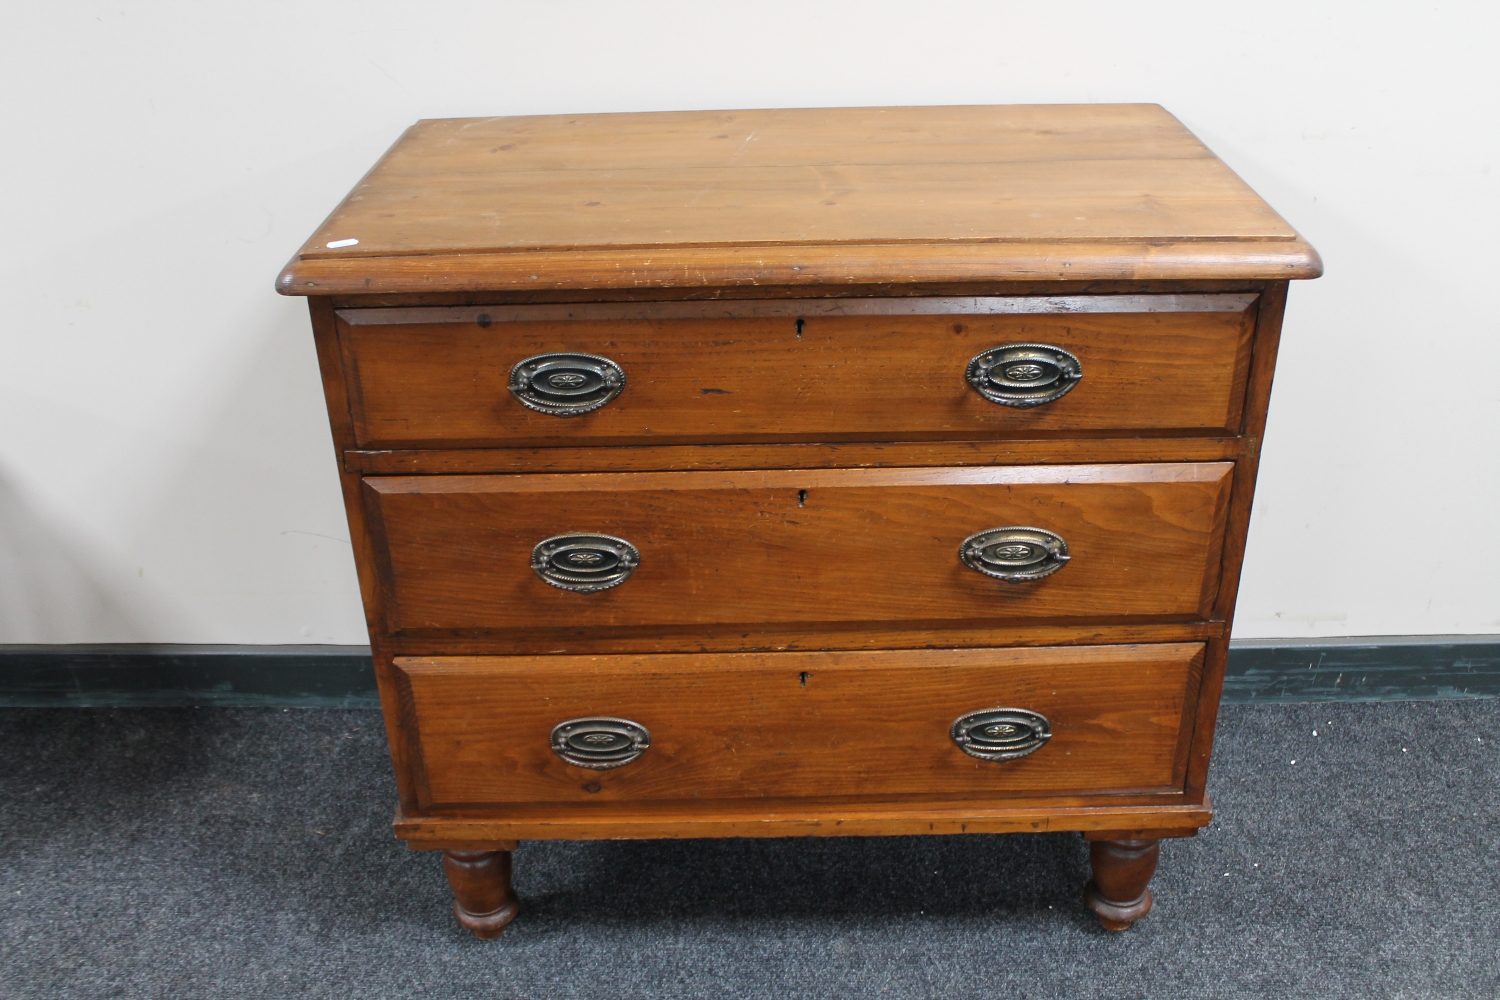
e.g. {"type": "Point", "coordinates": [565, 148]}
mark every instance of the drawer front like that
{"type": "Point", "coordinates": [793, 548]}
{"type": "Point", "coordinates": [871, 726]}
{"type": "Point", "coordinates": [826, 370]}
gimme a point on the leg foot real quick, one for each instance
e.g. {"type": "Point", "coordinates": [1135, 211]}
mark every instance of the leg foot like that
{"type": "Point", "coordinates": [484, 902]}
{"type": "Point", "coordinates": [1118, 893]}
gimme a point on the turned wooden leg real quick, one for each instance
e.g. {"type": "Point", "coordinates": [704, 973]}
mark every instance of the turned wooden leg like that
{"type": "Point", "coordinates": [483, 900]}
{"type": "Point", "coordinates": [1118, 893]}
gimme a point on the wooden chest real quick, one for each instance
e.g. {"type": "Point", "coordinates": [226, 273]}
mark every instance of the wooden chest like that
{"type": "Point", "coordinates": [788, 473]}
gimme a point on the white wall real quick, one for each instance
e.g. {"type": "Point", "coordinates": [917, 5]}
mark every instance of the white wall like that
{"type": "Point", "coordinates": [166, 473]}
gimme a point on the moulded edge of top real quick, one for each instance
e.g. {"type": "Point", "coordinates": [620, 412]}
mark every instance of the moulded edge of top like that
{"type": "Point", "coordinates": [804, 265]}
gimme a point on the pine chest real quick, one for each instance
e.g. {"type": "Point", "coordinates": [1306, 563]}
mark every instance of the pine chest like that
{"type": "Point", "coordinates": [799, 473]}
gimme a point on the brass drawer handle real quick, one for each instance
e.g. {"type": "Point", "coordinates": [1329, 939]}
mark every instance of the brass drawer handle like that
{"type": "Point", "coordinates": [1001, 733]}
{"type": "Point", "coordinates": [1014, 554]}
{"type": "Point", "coordinates": [566, 385]}
{"type": "Point", "coordinates": [584, 563]}
{"type": "Point", "coordinates": [599, 742]}
{"type": "Point", "coordinates": [1024, 374]}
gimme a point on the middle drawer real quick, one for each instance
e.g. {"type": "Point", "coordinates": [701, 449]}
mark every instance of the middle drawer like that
{"type": "Point", "coordinates": [935, 546]}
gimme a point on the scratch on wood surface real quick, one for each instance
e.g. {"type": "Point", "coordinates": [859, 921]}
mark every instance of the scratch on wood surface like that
{"type": "Point", "coordinates": [743, 146]}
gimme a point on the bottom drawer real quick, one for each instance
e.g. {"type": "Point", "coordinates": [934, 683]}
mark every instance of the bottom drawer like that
{"type": "Point", "coordinates": [857, 726]}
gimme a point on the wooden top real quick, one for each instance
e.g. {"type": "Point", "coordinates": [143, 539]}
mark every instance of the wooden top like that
{"type": "Point", "coordinates": [797, 197]}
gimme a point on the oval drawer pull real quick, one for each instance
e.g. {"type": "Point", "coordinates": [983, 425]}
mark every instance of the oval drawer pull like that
{"type": "Point", "coordinates": [584, 563]}
{"type": "Point", "coordinates": [566, 385]}
{"type": "Point", "coordinates": [1014, 554]}
{"type": "Point", "coordinates": [1001, 733]}
{"type": "Point", "coordinates": [1024, 374]}
{"type": "Point", "coordinates": [599, 742]}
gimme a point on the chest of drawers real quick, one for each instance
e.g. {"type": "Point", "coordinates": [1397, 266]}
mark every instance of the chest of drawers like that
{"type": "Point", "coordinates": [799, 473]}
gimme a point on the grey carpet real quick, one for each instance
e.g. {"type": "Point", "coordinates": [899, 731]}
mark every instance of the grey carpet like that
{"type": "Point", "coordinates": [246, 853]}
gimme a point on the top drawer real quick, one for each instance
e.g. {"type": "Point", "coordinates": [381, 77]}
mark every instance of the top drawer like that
{"type": "Point", "coordinates": [797, 370]}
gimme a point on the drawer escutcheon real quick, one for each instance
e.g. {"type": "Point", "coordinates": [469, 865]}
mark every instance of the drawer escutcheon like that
{"type": "Point", "coordinates": [584, 563]}
{"type": "Point", "coordinates": [1001, 733]}
{"type": "Point", "coordinates": [599, 742]}
{"type": "Point", "coordinates": [566, 385]}
{"type": "Point", "coordinates": [1024, 375]}
{"type": "Point", "coordinates": [1015, 554]}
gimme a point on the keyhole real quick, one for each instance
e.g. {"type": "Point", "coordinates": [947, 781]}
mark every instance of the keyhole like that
{"type": "Point", "coordinates": [800, 324]}
{"type": "Point", "coordinates": [803, 677]}
{"type": "Point", "coordinates": [801, 498]}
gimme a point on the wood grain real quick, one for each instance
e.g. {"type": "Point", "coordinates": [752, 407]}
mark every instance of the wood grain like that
{"type": "Point", "coordinates": [794, 176]}
{"type": "Point", "coordinates": [855, 195]}
{"type": "Point", "coordinates": [735, 268]}
{"type": "Point", "coordinates": [809, 137]}
{"type": "Point", "coordinates": [483, 900]}
{"type": "Point", "coordinates": [325, 338]}
{"type": "Point", "coordinates": [1263, 368]}
{"type": "Point", "coordinates": [1098, 448]}
{"type": "Point", "coordinates": [861, 726]}
{"type": "Point", "coordinates": [809, 546]}
{"type": "Point", "coordinates": [391, 300]}
{"type": "Point", "coordinates": [1119, 893]}
{"type": "Point", "coordinates": [1165, 815]}
{"type": "Point", "coordinates": [585, 638]}
{"type": "Point", "coordinates": [780, 371]}
{"type": "Point", "coordinates": [813, 308]}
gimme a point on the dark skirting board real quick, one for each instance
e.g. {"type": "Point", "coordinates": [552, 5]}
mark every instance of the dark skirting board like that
{"type": "Point", "coordinates": [1370, 668]}
{"type": "Point", "coordinates": [148, 675]}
